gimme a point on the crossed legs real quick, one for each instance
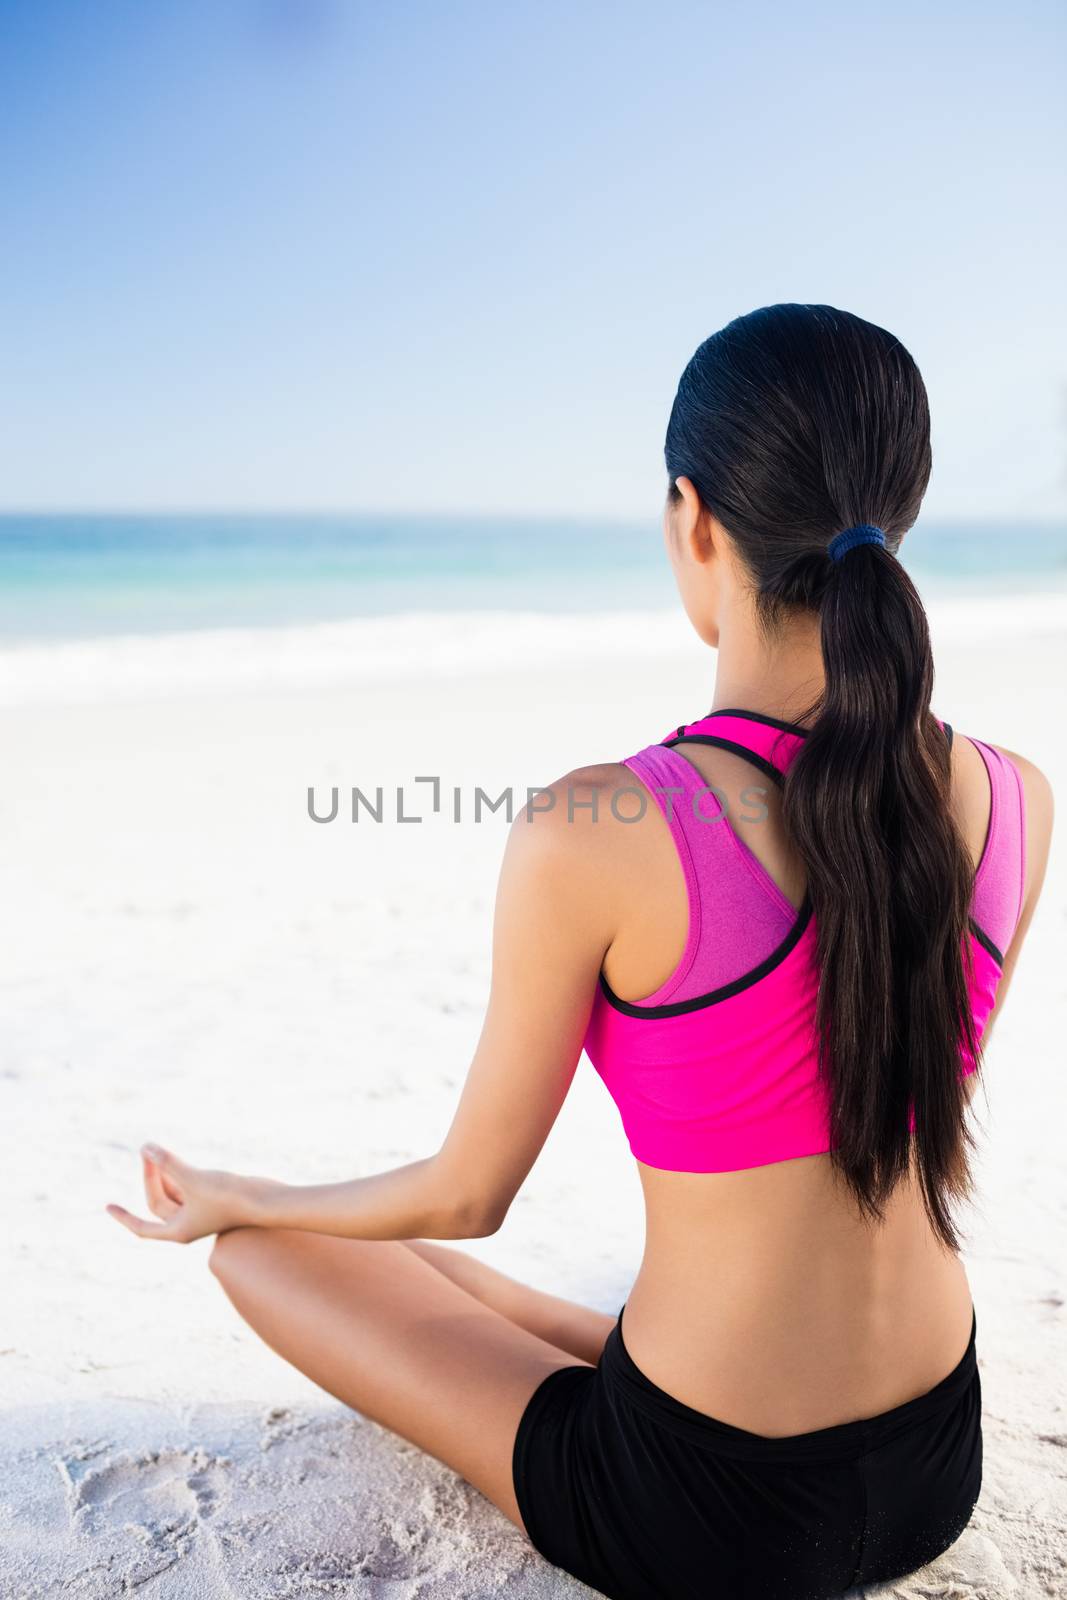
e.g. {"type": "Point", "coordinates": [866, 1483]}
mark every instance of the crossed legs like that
{"type": "Point", "coordinates": [421, 1337]}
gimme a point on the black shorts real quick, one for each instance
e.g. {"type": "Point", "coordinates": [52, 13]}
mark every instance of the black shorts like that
{"type": "Point", "coordinates": [644, 1498]}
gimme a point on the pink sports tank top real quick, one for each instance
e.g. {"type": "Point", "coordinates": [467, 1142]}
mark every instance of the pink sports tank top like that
{"type": "Point", "coordinates": [717, 1070]}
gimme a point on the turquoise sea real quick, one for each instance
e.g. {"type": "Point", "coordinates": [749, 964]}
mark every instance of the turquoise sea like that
{"type": "Point", "coordinates": [78, 577]}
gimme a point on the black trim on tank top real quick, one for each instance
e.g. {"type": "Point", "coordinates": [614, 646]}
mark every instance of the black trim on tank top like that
{"type": "Point", "coordinates": [757, 716]}
{"type": "Point", "coordinates": [727, 744]}
{"type": "Point", "coordinates": [677, 1008]}
{"type": "Point", "coordinates": [986, 942]}
{"type": "Point", "coordinates": [773, 722]}
{"type": "Point", "coordinates": [748, 716]}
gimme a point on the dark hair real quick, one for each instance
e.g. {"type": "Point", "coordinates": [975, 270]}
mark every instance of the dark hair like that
{"type": "Point", "coordinates": [794, 423]}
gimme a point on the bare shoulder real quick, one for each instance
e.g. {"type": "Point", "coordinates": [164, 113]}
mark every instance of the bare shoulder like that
{"type": "Point", "coordinates": [584, 812]}
{"type": "Point", "coordinates": [1040, 800]}
{"type": "Point", "coordinates": [1039, 809]}
{"type": "Point", "coordinates": [577, 832]}
{"type": "Point", "coordinates": [1036, 785]}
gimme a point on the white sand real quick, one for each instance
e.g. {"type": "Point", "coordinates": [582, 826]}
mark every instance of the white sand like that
{"type": "Point", "coordinates": [189, 958]}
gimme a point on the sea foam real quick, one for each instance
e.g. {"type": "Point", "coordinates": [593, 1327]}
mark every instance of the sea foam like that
{"type": "Point", "coordinates": [409, 645]}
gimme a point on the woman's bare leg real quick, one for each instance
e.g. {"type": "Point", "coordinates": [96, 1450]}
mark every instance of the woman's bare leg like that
{"type": "Point", "coordinates": [572, 1327]}
{"type": "Point", "coordinates": [374, 1324]}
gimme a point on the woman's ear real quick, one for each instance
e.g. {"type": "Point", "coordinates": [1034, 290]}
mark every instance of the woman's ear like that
{"type": "Point", "coordinates": [691, 523]}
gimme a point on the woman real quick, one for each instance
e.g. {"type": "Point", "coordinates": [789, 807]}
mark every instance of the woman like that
{"type": "Point", "coordinates": [782, 935]}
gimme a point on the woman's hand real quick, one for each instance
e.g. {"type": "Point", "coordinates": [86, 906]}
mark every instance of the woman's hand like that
{"type": "Point", "coordinates": [190, 1202]}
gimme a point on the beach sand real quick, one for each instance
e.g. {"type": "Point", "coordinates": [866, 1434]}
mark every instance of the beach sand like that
{"type": "Point", "coordinates": [192, 959]}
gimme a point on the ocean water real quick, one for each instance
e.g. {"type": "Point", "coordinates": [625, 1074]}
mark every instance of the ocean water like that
{"type": "Point", "coordinates": [96, 577]}
{"type": "Point", "coordinates": [105, 608]}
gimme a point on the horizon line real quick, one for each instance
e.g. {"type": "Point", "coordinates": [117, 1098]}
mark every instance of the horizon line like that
{"type": "Point", "coordinates": [1050, 518]}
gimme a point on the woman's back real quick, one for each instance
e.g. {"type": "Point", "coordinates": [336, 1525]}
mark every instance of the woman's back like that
{"type": "Point", "coordinates": [764, 1297]}
{"type": "Point", "coordinates": [788, 1021]}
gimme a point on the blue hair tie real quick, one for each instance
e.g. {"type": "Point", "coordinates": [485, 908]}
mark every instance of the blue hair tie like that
{"type": "Point", "coordinates": [862, 533]}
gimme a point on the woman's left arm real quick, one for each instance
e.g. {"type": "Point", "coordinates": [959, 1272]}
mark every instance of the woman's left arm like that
{"type": "Point", "coordinates": [555, 918]}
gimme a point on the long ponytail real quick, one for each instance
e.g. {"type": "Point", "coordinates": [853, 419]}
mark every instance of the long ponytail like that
{"type": "Point", "coordinates": [794, 423]}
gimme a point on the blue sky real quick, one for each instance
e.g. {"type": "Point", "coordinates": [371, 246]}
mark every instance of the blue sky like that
{"type": "Point", "coordinates": [305, 253]}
